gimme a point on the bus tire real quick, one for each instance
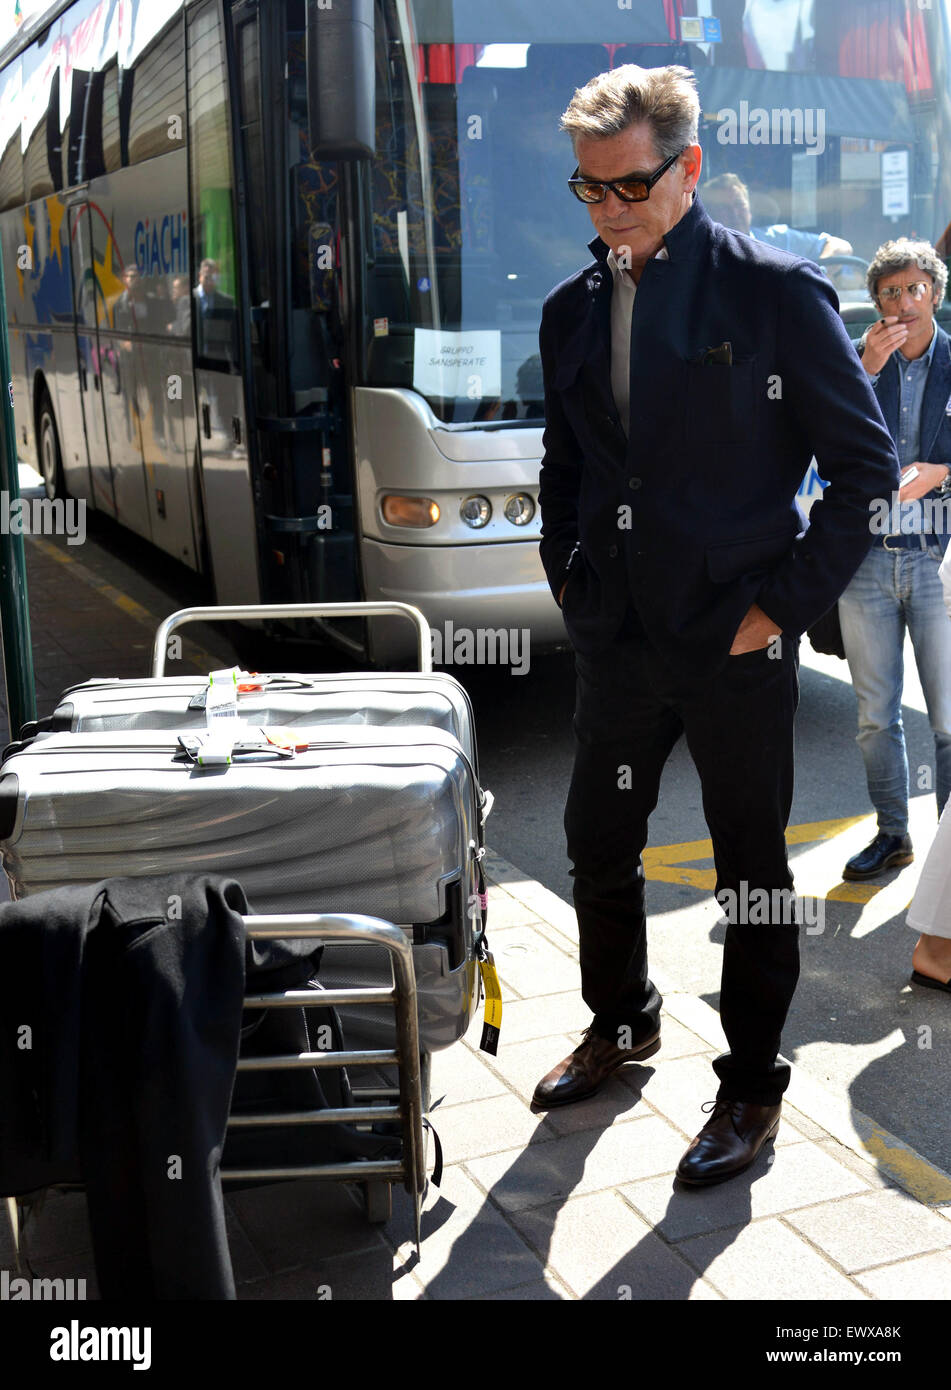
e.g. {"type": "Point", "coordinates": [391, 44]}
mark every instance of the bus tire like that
{"type": "Point", "coordinates": [48, 450]}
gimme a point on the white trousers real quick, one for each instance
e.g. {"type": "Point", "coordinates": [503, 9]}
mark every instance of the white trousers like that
{"type": "Point", "coordinates": [930, 910]}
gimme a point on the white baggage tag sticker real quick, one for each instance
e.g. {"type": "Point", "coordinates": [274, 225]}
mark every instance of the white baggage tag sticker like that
{"type": "Point", "coordinates": [221, 702]}
{"type": "Point", "coordinates": [216, 749]}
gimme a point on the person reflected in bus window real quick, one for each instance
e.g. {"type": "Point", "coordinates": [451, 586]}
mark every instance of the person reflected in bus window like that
{"type": "Point", "coordinates": [530, 386]}
{"type": "Point", "coordinates": [214, 315]}
{"type": "Point", "coordinates": [129, 316]}
{"type": "Point", "coordinates": [130, 308]}
{"type": "Point", "coordinates": [727, 200]}
{"type": "Point", "coordinates": [180, 305]}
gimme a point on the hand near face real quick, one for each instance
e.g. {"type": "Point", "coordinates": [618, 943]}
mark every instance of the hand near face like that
{"type": "Point", "coordinates": [881, 340]}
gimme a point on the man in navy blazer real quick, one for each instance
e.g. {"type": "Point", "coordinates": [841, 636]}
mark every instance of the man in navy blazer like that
{"type": "Point", "coordinates": [690, 375]}
{"type": "Point", "coordinates": [908, 360]}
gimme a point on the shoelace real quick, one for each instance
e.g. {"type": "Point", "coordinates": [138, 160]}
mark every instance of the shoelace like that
{"type": "Point", "coordinates": [716, 1108]}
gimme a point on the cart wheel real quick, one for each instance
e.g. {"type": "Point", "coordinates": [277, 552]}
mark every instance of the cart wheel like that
{"type": "Point", "coordinates": [379, 1200]}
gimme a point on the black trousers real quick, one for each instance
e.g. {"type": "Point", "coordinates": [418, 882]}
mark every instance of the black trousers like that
{"type": "Point", "coordinates": [739, 729]}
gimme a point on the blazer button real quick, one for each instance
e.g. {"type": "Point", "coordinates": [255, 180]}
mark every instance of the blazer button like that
{"type": "Point", "coordinates": [634, 484]}
{"type": "Point", "coordinates": [612, 552]}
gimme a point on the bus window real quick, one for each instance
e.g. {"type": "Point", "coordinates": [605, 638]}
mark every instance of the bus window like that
{"type": "Point", "coordinates": [111, 137]}
{"type": "Point", "coordinates": [39, 178]}
{"type": "Point", "coordinates": [212, 227]}
{"type": "Point", "coordinates": [157, 116]}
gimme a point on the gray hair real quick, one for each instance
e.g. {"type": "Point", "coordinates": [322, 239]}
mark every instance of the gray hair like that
{"type": "Point", "coordinates": [899, 255]}
{"type": "Point", "coordinates": [666, 98]}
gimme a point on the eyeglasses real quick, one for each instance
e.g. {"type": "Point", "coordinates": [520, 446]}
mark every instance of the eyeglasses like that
{"type": "Point", "coordinates": [633, 188]}
{"type": "Point", "coordinates": [891, 294]}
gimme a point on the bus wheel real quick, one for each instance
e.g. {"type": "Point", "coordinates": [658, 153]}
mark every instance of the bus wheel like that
{"type": "Point", "coordinates": [51, 460]}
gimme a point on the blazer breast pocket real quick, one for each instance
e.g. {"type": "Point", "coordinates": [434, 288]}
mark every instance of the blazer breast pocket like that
{"type": "Point", "coordinates": [720, 404]}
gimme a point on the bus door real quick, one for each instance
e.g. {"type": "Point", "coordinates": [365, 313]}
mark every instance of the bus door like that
{"type": "Point", "coordinates": [87, 304]}
{"type": "Point", "coordinates": [121, 322]}
{"type": "Point", "coordinates": [231, 524]}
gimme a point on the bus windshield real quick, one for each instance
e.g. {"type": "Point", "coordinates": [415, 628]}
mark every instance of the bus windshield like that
{"type": "Point", "coordinates": [825, 131]}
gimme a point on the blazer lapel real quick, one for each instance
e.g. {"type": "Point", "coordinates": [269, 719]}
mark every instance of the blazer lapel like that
{"type": "Point", "coordinates": [937, 392]}
{"type": "Point", "coordinates": [886, 388]}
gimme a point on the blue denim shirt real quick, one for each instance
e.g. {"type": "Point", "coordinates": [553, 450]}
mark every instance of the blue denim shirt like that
{"type": "Point", "coordinates": [912, 377]}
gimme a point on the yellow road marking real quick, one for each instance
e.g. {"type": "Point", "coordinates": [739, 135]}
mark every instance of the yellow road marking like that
{"type": "Point", "coordinates": [668, 863]}
{"type": "Point", "coordinates": [130, 606]}
{"type": "Point", "coordinates": [913, 1172]}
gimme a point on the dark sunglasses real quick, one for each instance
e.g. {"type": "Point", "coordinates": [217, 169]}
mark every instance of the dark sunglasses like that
{"type": "Point", "coordinates": [633, 188]}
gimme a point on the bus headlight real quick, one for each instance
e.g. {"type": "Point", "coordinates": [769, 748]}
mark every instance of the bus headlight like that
{"type": "Point", "coordinates": [410, 511]}
{"type": "Point", "coordinates": [476, 511]}
{"type": "Point", "coordinates": [519, 509]}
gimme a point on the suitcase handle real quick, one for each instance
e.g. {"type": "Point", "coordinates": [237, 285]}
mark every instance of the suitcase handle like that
{"type": "Point", "coordinates": [230, 613]}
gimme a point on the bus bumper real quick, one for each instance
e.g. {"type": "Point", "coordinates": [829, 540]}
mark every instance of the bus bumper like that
{"type": "Point", "coordinates": [463, 590]}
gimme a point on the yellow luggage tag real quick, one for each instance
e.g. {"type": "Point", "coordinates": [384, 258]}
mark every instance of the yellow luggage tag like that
{"type": "Point", "coordinates": [492, 1024]}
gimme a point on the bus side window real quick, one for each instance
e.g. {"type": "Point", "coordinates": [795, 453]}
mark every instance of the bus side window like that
{"type": "Point", "coordinates": [111, 133]}
{"type": "Point", "coordinates": [157, 114]}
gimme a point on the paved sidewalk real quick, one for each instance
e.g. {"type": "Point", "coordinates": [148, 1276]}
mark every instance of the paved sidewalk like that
{"type": "Point", "coordinates": [579, 1203]}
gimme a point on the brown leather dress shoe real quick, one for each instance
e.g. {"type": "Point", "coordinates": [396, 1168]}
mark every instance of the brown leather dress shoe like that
{"type": "Point", "coordinates": [729, 1141]}
{"type": "Point", "coordinates": [588, 1067]}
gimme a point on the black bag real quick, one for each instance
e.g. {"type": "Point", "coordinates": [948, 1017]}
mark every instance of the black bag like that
{"type": "Point", "coordinates": [826, 634]}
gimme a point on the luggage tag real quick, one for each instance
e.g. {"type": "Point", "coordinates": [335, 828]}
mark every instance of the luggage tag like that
{"type": "Point", "coordinates": [285, 741]}
{"type": "Point", "coordinates": [221, 698]}
{"type": "Point", "coordinates": [208, 750]}
{"type": "Point", "coordinates": [492, 1024]}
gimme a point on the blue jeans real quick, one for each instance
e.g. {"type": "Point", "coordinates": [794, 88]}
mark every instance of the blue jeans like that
{"type": "Point", "coordinates": [893, 590]}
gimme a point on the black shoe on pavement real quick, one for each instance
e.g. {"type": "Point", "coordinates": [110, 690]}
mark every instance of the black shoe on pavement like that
{"type": "Point", "coordinates": [885, 852]}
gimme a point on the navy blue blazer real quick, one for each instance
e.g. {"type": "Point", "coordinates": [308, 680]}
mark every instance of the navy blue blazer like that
{"type": "Point", "coordinates": [694, 517]}
{"type": "Point", "coordinates": [934, 445]}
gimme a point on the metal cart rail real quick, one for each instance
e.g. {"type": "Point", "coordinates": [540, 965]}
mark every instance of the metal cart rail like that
{"type": "Point", "coordinates": [410, 1168]}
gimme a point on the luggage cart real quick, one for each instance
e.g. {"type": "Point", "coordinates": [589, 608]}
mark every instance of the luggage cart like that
{"type": "Point", "coordinates": [406, 1108]}
{"type": "Point", "coordinates": [316, 611]}
{"type": "Point", "coordinates": [376, 1175]}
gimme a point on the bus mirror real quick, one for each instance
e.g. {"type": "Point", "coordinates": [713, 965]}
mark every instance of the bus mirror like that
{"type": "Point", "coordinates": [341, 79]}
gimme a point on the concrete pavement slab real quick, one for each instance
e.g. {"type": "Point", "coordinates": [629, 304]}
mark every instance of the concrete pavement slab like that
{"type": "Point", "coordinates": [800, 1175]}
{"type": "Point", "coordinates": [874, 1229]}
{"type": "Point", "coordinates": [586, 1162]}
{"type": "Point", "coordinates": [531, 965]}
{"type": "Point", "coordinates": [764, 1261]}
{"type": "Point", "coordinates": [469, 1249]}
{"type": "Point", "coordinates": [603, 1250]}
{"type": "Point", "coordinates": [291, 1223]}
{"type": "Point", "coordinates": [460, 1075]}
{"type": "Point", "coordinates": [926, 1277]}
{"type": "Point", "coordinates": [483, 1127]}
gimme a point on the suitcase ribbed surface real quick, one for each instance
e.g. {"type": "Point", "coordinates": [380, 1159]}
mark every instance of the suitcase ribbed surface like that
{"type": "Point", "coordinates": [366, 821]}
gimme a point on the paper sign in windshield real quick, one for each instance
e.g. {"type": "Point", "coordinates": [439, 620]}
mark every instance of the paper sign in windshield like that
{"type": "Point", "coordinates": [456, 364]}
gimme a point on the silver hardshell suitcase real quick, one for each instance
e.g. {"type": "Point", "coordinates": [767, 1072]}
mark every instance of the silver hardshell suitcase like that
{"type": "Point", "coordinates": [383, 821]}
{"type": "Point", "coordinates": [392, 699]}
{"type": "Point", "coordinates": [352, 697]}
